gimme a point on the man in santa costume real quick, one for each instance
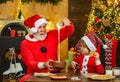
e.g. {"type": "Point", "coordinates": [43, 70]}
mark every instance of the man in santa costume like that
{"type": "Point", "coordinates": [87, 57]}
{"type": "Point", "coordinates": [39, 47]}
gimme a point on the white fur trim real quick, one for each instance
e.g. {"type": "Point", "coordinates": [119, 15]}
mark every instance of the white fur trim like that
{"type": "Point", "coordinates": [89, 44]}
{"type": "Point", "coordinates": [85, 62]}
{"type": "Point", "coordinates": [37, 24]}
{"type": "Point", "coordinates": [105, 46]}
{"type": "Point", "coordinates": [27, 37]}
{"type": "Point", "coordinates": [40, 22]}
{"type": "Point", "coordinates": [41, 65]}
{"type": "Point", "coordinates": [33, 30]}
{"type": "Point", "coordinates": [98, 62]}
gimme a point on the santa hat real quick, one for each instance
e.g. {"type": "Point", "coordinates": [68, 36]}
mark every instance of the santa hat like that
{"type": "Point", "coordinates": [34, 22]}
{"type": "Point", "coordinates": [92, 41]}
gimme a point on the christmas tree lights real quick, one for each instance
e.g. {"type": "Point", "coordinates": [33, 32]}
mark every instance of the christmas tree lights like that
{"type": "Point", "coordinates": [104, 18]}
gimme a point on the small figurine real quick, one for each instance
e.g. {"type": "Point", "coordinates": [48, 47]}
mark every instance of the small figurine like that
{"type": "Point", "coordinates": [71, 53]}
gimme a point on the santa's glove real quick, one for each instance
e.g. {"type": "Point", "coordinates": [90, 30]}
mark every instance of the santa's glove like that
{"type": "Point", "coordinates": [41, 65]}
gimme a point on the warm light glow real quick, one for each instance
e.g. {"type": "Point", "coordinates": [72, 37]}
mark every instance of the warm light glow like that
{"type": "Point", "coordinates": [18, 8]}
{"type": "Point", "coordinates": [51, 25]}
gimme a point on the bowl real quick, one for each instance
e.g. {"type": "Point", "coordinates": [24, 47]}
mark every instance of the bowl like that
{"type": "Point", "coordinates": [59, 64]}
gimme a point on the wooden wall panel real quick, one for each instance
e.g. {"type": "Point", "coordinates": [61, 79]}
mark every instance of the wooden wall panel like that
{"type": "Point", "coordinates": [78, 9]}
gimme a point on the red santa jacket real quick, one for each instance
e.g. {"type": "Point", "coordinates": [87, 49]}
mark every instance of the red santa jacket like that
{"type": "Point", "coordinates": [88, 64]}
{"type": "Point", "coordinates": [31, 50]}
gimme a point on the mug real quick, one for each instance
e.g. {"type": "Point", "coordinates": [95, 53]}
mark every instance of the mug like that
{"type": "Point", "coordinates": [57, 64]}
{"type": "Point", "coordinates": [12, 33]}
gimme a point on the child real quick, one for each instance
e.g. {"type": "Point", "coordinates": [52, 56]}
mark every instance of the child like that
{"type": "Point", "coordinates": [87, 61]}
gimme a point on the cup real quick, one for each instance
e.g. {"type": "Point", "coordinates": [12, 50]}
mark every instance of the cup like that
{"type": "Point", "coordinates": [12, 33]}
{"type": "Point", "coordinates": [116, 71]}
{"type": "Point", "coordinates": [19, 33]}
{"type": "Point", "coordinates": [23, 33]}
{"type": "Point", "coordinates": [109, 71]}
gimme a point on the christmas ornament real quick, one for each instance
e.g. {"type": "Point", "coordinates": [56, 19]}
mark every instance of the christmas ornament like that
{"type": "Point", "coordinates": [118, 20]}
{"type": "Point", "coordinates": [106, 22]}
{"type": "Point", "coordinates": [97, 19]}
{"type": "Point", "coordinates": [96, 3]}
{"type": "Point", "coordinates": [103, 7]}
{"type": "Point", "coordinates": [109, 36]}
{"type": "Point", "coordinates": [92, 29]}
{"type": "Point", "coordinates": [110, 1]}
{"type": "Point", "coordinates": [104, 38]}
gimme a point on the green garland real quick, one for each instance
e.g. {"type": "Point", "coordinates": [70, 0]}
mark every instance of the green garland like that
{"type": "Point", "coordinates": [54, 2]}
{"type": "Point", "coordinates": [4, 1]}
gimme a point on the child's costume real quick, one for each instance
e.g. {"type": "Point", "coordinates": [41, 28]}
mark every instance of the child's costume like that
{"type": "Point", "coordinates": [87, 63]}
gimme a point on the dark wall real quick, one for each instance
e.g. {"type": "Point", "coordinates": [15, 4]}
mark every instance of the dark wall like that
{"type": "Point", "coordinates": [78, 11]}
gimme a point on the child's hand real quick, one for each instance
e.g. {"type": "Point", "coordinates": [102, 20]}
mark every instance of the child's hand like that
{"type": "Point", "coordinates": [74, 64]}
{"type": "Point", "coordinates": [96, 55]}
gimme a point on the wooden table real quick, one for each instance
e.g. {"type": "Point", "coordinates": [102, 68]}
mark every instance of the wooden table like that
{"type": "Point", "coordinates": [82, 79]}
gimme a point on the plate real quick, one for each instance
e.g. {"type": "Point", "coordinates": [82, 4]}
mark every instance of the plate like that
{"type": "Point", "coordinates": [59, 77]}
{"type": "Point", "coordinates": [101, 77]}
{"type": "Point", "coordinates": [43, 74]}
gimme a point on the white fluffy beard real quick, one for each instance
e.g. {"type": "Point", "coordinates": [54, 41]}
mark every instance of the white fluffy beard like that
{"type": "Point", "coordinates": [40, 36]}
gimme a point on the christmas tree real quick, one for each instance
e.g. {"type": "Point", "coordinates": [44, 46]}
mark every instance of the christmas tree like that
{"type": "Point", "coordinates": [104, 19]}
{"type": "Point", "coordinates": [20, 16]}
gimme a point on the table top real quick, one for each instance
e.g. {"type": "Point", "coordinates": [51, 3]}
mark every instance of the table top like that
{"type": "Point", "coordinates": [81, 79]}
